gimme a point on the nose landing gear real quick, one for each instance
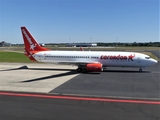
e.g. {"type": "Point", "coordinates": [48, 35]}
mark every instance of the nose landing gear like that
{"type": "Point", "coordinates": [140, 70]}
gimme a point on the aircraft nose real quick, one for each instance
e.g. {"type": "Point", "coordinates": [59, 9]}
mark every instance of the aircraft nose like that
{"type": "Point", "coordinates": [154, 61]}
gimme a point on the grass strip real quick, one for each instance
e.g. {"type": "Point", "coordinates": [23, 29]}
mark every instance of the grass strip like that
{"type": "Point", "coordinates": [13, 57]}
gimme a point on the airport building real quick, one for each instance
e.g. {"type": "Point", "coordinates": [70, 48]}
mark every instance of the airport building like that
{"type": "Point", "coordinates": [81, 44]}
{"type": "Point", "coordinates": [3, 43]}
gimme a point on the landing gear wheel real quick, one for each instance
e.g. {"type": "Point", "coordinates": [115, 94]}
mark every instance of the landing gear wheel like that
{"type": "Point", "coordinates": [140, 70]}
{"type": "Point", "coordinates": [79, 69]}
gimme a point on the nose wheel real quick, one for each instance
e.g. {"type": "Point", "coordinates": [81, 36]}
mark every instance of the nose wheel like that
{"type": "Point", "coordinates": [140, 70]}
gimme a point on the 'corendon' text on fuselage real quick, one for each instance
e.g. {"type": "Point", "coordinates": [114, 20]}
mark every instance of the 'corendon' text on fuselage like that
{"type": "Point", "coordinates": [118, 57]}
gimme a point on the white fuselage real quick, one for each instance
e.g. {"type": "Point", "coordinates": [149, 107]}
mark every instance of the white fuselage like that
{"type": "Point", "coordinates": [107, 59]}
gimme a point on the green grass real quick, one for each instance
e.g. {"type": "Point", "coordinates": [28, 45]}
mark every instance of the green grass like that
{"type": "Point", "coordinates": [13, 57]}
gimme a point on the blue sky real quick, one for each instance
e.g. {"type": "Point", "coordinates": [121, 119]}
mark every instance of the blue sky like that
{"type": "Point", "coordinates": [68, 21]}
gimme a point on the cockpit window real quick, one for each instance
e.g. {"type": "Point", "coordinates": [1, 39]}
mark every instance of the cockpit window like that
{"type": "Point", "coordinates": [147, 57]}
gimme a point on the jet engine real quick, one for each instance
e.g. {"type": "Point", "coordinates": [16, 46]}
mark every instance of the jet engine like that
{"type": "Point", "coordinates": [94, 67]}
{"type": "Point", "coordinates": [90, 67]}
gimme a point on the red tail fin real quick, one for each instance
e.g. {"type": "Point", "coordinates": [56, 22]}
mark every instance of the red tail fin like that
{"type": "Point", "coordinates": [81, 49]}
{"type": "Point", "coordinates": [30, 43]}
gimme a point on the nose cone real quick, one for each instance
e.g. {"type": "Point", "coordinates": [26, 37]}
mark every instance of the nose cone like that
{"type": "Point", "coordinates": [153, 61]}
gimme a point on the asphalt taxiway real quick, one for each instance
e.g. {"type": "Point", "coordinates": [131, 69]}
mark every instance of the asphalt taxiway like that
{"type": "Point", "coordinates": [117, 83]}
{"type": "Point", "coordinates": [64, 80]}
{"type": "Point", "coordinates": [43, 108]}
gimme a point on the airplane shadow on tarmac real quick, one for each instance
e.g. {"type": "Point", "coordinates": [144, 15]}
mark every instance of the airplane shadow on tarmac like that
{"type": "Point", "coordinates": [73, 70]}
{"type": "Point", "coordinates": [52, 76]}
{"type": "Point", "coordinates": [70, 72]}
{"type": "Point", "coordinates": [56, 69]}
{"type": "Point", "coordinates": [25, 67]}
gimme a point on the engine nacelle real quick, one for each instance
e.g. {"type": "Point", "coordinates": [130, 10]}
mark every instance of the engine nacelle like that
{"type": "Point", "coordinates": [94, 67]}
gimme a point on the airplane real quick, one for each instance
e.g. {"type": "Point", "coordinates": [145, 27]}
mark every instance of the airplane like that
{"type": "Point", "coordinates": [87, 61]}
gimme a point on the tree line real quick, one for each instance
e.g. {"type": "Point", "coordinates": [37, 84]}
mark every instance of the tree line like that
{"type": "Point", "coordinates": [147, 44]}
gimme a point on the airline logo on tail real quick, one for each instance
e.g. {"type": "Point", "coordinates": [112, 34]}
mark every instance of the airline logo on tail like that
{"type": "Point", "coordinates": [32, 46]}
{"type": "Point", "coordinates": [30, 43]}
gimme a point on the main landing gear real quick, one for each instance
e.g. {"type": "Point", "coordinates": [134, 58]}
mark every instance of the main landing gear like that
{"type": "Point", "coordinates": [81, 68]}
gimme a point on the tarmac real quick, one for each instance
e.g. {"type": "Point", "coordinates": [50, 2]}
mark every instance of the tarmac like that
{"type": "Point", "coordinates": [34, 108]}
{"type": "Point", "coordinates": [63, 80]}
{"type": "Point", "coordinates": [33, 77]}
